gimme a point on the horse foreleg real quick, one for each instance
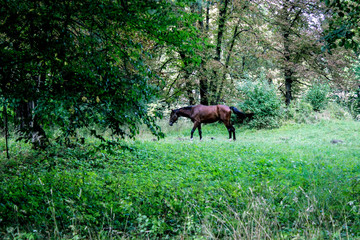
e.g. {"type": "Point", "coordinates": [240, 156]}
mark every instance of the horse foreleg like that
{"type": "Point", "coordinates": [229, 130]}
{"type": "Point", "coordinates": [196, 125]}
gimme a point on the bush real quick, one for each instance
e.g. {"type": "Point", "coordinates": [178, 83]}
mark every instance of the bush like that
{"type": "Point", "coordinates": [353, 103]}
{"type": "Point", "coordinates": [301, 112]}
{"type": "Point", "coordinates": [261, 99]}
{"type": "Point", "coordinates": [338, 111]}
{"type": "Point", "coordinates": [317, 96]}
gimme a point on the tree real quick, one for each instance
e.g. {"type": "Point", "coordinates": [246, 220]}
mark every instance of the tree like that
{"type": "Point", "coordinates": [234, 18]}
{"type": "Point", "coordinates": [295, 28]}
{"type": "Point", "coordinates": [220, 26]}
{"type": "Point", "coordinates": [344, 24]}
{"type": "Point", "coordinates": [293, 37]}
{"type": "Point", "coordinates": [73, 63]}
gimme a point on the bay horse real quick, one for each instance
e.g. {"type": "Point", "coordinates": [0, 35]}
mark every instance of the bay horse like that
{"type": "Point", "coordinates": [208, 114]}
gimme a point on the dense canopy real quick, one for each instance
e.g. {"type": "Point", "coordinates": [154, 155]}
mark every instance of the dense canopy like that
{"type": "Point", "coordinates": [74, 64]}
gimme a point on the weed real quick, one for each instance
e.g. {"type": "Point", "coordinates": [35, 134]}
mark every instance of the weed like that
{"type": "Point", "coordinates": [285, 183]}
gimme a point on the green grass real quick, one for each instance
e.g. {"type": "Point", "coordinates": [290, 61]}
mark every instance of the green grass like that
{"type": "Point", "coordinates": [286, 183]}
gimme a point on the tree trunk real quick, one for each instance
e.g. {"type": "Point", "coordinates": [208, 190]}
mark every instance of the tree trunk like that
{"type": "Point", "coordinates": [288, 72]}
{"type": "Point", "coordinates": [288, 23]}
{"type": "Point", "coordinates": [219, 39]}
{"type": "Point", "coordinates": [6, 131]}
{"type": "Point", "coordinates": [221, 29]}
{"type": "Point", "coordinates": [190, 93]}
{"type": "Point", "coordinates": [29, 125]}
{"type": "Point", "coordinates": [204, 100]}
{"type": "Point", "coordinates": [288, 86]}
{"type": "Point", "coordinates": [187, 73]}
{"type": "Point", "coordinates": [203, 81]}
{"type": "Point", "coordinates": [227, 61]}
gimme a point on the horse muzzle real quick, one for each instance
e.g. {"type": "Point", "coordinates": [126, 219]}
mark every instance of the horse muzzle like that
{"type": "Point", "coordinates": [171, 123]}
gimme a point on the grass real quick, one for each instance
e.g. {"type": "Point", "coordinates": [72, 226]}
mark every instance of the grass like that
{"type": "Point", "coordinates": [286, 183]}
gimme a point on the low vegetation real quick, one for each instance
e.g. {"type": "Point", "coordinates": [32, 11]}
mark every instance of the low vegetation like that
{"type": "Point", "coordinates": [298, 181]}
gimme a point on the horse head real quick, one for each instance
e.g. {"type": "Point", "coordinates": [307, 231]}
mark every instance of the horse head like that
{"type": "Point", "coordinates": [173, 117]}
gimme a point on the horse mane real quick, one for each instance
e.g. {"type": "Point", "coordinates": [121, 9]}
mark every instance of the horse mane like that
{"type": "Point", "coordinates": [183, 108]}
{"type": "Point", "coordinates": [187, 108]}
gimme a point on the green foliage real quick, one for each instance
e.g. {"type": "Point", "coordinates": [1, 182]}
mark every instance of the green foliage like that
{"type": "Point", "coordinates": [343, 26]}
{"type": "Point", "coordinates": [261, 99]}
{"type": "Point", "coordinates": [349, 103]}
{"type": "Point", "coordinates": [300, 111]}
{"type": "Point", "coordinates": [317, 95]}
{"type": "Point", "coordinates": [338, 111]}
{"type": "Point", "coordinates": [355, 97]}
{"type": "Point", "coordinates": [86, 62]}
{"type": "Point", "coordinates": [275, 183]}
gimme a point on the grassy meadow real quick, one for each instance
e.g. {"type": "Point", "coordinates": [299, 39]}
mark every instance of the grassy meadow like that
{"type": "Point", "coordinates": [300, 181]}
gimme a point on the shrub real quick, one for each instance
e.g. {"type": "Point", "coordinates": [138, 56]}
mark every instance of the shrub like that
{"type": "Point", "coordinates": [338, 111]}
{"type": "Point", "coordinates": [261, 99]}
{"type": "Point", "coordinates": [317, 96]}
{"type": "Point", "coordinates": [300, 112]}
{"type": "Point", "coordinates": [353, 102]}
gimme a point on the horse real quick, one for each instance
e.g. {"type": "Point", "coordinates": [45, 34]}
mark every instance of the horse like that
{"type": "Point", "coordinates": [208, 114]}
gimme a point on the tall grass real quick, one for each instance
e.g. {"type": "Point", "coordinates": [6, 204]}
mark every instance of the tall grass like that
{"type": "Point", "coordinates": [294, 182]}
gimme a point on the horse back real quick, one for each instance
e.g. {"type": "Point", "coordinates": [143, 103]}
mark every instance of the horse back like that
{"type": "Point", "coordinates": [210, 114]}
{"type": "Point", "coordinates": [223, 109]}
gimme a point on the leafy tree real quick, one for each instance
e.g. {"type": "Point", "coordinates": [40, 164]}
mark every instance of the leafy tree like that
{"type": "Point", "coordinates": [221, 26]}
{"type": "Point", "coordinates": [280, 38]}
{"type": "Point", "coordinates": [260, 99]}
{"type": "Point", "coordinates": [344, 24]}
{"type": "Point", "coordinates": [293, 37]}
{"type": "Point", "coordinates": [234, 24]}
{"type": "Point", "coordinates": [74, 63]}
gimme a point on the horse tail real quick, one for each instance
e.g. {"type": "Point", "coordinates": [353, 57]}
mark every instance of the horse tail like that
{"type": "Point", "coordinates": [241, 115]}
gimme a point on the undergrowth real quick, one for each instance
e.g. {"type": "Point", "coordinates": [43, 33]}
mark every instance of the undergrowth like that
{"type": "Point", "coordinates": [295, 182]}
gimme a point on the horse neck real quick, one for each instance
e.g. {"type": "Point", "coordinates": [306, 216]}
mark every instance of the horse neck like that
{"type": "Point", "coordinates": [184, 112]}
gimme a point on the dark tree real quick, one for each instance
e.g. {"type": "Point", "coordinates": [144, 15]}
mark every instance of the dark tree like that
{"type": "Point", "coordinates": [73, 63]}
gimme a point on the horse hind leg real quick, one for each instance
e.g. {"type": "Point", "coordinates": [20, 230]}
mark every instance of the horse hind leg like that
{"type": "Point", "coordinates": [200, 132]}
{"type": "Point", "coordinates": [192, 133]}
{"type": "Point", "coordinates": [231, 130]}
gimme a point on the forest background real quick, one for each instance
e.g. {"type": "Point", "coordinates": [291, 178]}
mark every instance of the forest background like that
{"type": "Point", "coordinates": [72, 64]}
